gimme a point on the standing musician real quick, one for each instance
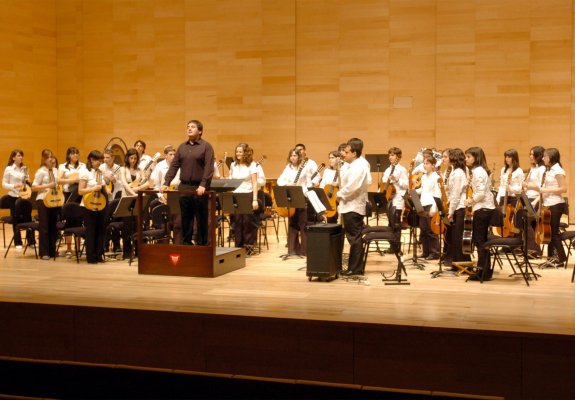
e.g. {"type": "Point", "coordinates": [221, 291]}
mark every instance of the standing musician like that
{"type": "Point", "coordinates": [91, 181]}
{"type": "Point", "coordinates": [400, 181]}
{"type": "Point", "coordinates": [483, 206]}
{"type": "Point", "coordinates": [456, 188]}
{"type": "Point", "coordinates": [245, 226]}
{"type": "Point", "coordinates": [533, 179]}
{"type": "Point", "coordinates": [111, 172]}
{"type": "Point", "coordinates": [293, 175]}
{"type": "Point", "coordinates": [553, 187]}
{"type": "Point", "coordinates": [511, 179]}
{"type": "Point", "coordinates": [69, 173]}
{"type": "Point", "coordinates": [331, 176]}
{"type": "Point", "coordinates": [45, 179]}
{"type": "Point", "coordinates": [14, 180]}
{"type": "Point", "coordinates": [353, 198]}
{"type": "Point", "coordinates": [144, 159]}
{"type": "Point", "coordinates": [159, 173]}
{"type": "Point", "coordinates": [447, 168]}
{"type": "Point", "coordinates": [428, 192]}
{"type": "Point", "coordinates": [195, 159]}
{"type": "Point", "coordinates": [312, 177]}
{"type": "Point", "coordinates": [133, 180]}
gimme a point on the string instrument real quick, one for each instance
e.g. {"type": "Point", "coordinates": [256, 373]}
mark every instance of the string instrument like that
{"type": "Point", "coordinates": [389, 188]}
{"type": "Point", "coordinates": [319, 169]}
{"type": "Point", "coordinates": [73, 187]}
{"type": "Point", "coordinates": [55, 195]}
{"type": "Point", "coordinates": [145, 175]}
{"type": "Point", "coordinates": [508, 211]}
{"type": "Point", "coordinates": [109, 184]}
{"type": "Point", "coordinates": [439, 221]}
{"type": "Point", "coordinates": [468, 221]}
{"type": "Point", "coordinates": [414, 179]}
{"type": "Point", "coordinates": [289, 212]}
{"type": "Point", "coordinates": [331, 193]}
{"type": "Point", "coordinates": [543, 224]}
{"type": "Point", "coordinates": [96, 200]}
{"type": "Point", "coordinates": [25, 191]}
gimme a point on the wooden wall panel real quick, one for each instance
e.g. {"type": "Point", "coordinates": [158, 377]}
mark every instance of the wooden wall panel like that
{"type": "Point", "coordinates": [273, 73]}
{"type": "Point", "coordinates": [27, 79]}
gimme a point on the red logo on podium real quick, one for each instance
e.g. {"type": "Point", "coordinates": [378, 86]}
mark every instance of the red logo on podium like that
{"type": "Point", "coordinates": [175, 259]}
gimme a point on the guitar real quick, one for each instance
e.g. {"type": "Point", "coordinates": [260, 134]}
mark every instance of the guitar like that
{"type": "Point", "coordinates": [439, 221]}
{"type": "Point", "coordinates": [389, 189]}
{"type": "Point", "coordinates": [468, 221]}
{"type": "Point", "coordinates": [508, 211]}
{"type": "Point", "coordinates": [25, 191]}
{"type": "Point", "coordinates": [289, 212]}
{"type": "Point", "coordinates": [109, 184]}
{"type": "Point", "coordinates": [145, 172]}
{"type": "Point", "coordinates": [331, 193]}
{"type": "Point", "coordinates": [543, 224]}
{"type": "Point", "coordinates": [96, 200]}
{"type": "Point", "coordinates": [55, 195]}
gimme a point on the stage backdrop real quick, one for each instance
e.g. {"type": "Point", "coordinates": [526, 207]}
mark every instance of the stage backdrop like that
{"type": "Point", "coordinates": [418, 73]}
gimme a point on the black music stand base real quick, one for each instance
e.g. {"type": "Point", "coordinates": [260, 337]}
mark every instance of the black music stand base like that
{"type": "Point", "coordinates": [396, 278]}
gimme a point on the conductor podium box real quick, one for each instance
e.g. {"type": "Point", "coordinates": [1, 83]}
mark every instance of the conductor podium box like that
{"type": "Point", "coordinates": [324, 250]}
{"type": "Point", "coordinates": [185, 260]}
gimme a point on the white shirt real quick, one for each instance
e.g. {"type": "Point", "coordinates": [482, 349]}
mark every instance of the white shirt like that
{"type": "Point", "coordinates": [551, 199]}
{"type": "Point", "coordinates": [429, 189]}
{"type": "Point", "coordinates": [353, 190]}
{"type": "Point", "coordinates": [261, 178]}
{"type": "Point", "coordinates": [309, 170]}
{"type": "Point", "coordinates": [42, 177]}
{"type": "Point", "coordinates": [69, 170]}
{"type": "Point", "coordinates": [91, 179]}
{"type": "Point", "coordinates": [288, 176]}
{"type": "Point", "coordinates": [144, 160]}
{"type": "Point", "coordinates": [515, 184]}
{"type": "Point", "coordinates": [535, 176]}
{"type": "Point", "coordinates": [242, 171]}
{"type": "Point", "coordinates": [329, 178]}
{"type": "Point", "coordinates": [457, 184]}
{"type": "Point", "coordinates": [13, 175]}
{"type": "Point", "coordinates": [481, 184]}
{"type": "Point", "coordinates": [401, 184]}
{"type": "Point", "coordinates": [159, 173]}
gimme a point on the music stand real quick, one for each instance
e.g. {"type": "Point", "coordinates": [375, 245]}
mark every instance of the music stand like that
{"type": "Point", "coordinates": [126, 208]}
{"type": "Point", "coordinates": [290, 197]}
{"type": "Point", "coordinates": [322, 197]}
{"type": "Point", "coordinates": [378, 202]}
{"type": "Point", "coordinates": [413, 202]}
{"type": "Point", "coordinates": [225, 185]}
{"type": "Point", "coordinates": [237, 203]}
{"type": "Point", "coordinates": [378, 163]}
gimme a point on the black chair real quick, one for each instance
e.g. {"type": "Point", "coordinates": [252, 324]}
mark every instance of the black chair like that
{"type": "Point", "coordinates": [5, 219]}
{"type": "Point", "coordinates": [72, 216]}
{"type": "Point", "coordinates": [23, 211]}
{"type": "Point", "coordinates": [514, 248]}
{"type": "Point", "coordinates": [158, 232]}
{"type": "Point", "coordinates": [266, 217]}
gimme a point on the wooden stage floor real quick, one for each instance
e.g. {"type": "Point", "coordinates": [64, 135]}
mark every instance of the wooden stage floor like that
{"type": "Point", "coordinates": [277, 295]}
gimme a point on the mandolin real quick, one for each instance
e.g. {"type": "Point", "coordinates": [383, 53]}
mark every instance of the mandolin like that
{"type": "Point", "coordinates": [468, 221]}
{"type": "Point", "coordinates": [145, 175]}
{"type": "Point", "coordinates": [96, 200]}
{"type": "Point", "coordinates": [55, 195]}
{"type": "Point", "coordinates": [25, 191]}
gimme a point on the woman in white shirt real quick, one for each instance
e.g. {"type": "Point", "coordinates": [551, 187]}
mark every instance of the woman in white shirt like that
{"type": "Point", "coordinates": [534, 179]}
{"type": "Point", "coordinates": [429, 191]}
{"type": "Point", "coordinates": [456, 188]}
{"type": "Point", "coordinates": [245, 225]}
{"type": "Point", "coordinates": [132, 177]}
{"type": "Point", "coordinates": [14, 180]}
{"type": "Point", "coordinates": [69, 172]}
{"type": "Point", "coordinates": [331, 177]}
{"type": "Point", "coordinates": [554, 185]}
{"type": "Point", "coordinates": [511, 178]}
{"type": "Point", "coordinates": [483, 206]}
{"type": "Point", "coordinates": [297, 238]}
{"type": "Point", "coordinates": [92, 180]}
{"type": "Point", "coordinates": [45, 179]}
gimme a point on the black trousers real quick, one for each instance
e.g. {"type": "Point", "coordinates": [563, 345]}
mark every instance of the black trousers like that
{"type": "Point", "coordinates": [394, 219]}
{"type": "Point", "coordinates": [297, 236]}
{"type": "Point", "coordinates": [245, 229]}
{"type": "Point", "coordinates": [15, 219]}
{"type": "Point", "coordinates": [481, 222]}
{"type": "Point", "coordinates": [352, 225]}
{"type": "Point", "coordinates": [194, 210]}
{"type": "Point", "coordinates": [429, 240]}
{"type": "Point", "coordinates": [95, 223]}
{"type": "Point", "coordinates": [48, 229]}
{"type": "Point", "coordinates": [556, 245]}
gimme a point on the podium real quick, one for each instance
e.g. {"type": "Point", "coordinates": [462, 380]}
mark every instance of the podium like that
{"type": "Point", "coordinates": [185, 260]}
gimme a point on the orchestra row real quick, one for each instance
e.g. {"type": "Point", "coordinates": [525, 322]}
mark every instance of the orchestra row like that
{"type": "Point", "coordinates": [455, 188]}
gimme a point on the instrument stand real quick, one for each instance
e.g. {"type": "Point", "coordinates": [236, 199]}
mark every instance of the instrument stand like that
{"type": "Point", "coordinates": [290, 197]}
{"type": "Point", "coordinates": [443, 215]}
{"type": "Point", "coordinates": [238, 204]}
{"type": "Point", "coordinates": [412, 199]}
